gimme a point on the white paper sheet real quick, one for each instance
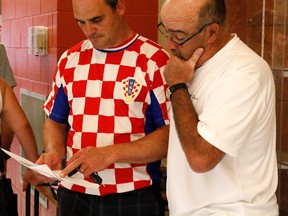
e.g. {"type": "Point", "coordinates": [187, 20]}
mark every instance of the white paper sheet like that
{"type": "Point", "coordinates": [46, 171]}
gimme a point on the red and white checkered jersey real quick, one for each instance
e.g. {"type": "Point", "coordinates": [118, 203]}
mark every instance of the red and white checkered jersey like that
{"type": "Point", "coordinates": [109, 97]}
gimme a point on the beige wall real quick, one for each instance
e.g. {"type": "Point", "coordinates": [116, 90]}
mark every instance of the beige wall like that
{"type": "Point", "coordinates": [161, 38]}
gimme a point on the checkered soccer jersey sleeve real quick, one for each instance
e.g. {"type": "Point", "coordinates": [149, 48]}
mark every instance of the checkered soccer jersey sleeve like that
{"type": "Point", "coordinates": [109, 97]}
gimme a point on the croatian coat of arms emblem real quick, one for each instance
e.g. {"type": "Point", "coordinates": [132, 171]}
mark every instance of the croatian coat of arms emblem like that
{"type": "Point", "coordinates": [130, 89]}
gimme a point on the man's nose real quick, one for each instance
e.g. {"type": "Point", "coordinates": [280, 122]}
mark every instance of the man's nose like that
{"type": "Point", "coordinates": [89, 29]}
{"type": "Point", "coordinates": [170, 45]}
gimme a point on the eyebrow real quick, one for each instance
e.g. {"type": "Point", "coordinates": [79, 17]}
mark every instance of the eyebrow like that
{"type": "Point", "coordinates": [91, 19]}
{"type": "Point", "coordinates": [178, 31]}
{"type": "Point", "coordinates": [175, 31]}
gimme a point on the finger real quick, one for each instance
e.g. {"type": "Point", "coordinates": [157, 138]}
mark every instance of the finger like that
{"type": "Point", "coordinates": [174, 60]}
{"type": "Point", "coordinates": [40, 160]}
{"type": "Point", "coordinates": [81, 170]}
{"type": "Point", "coordinates": [71, 167]}
{"type": "Point", "coordinates": [75, 157]}
{"type": "Point", "coordinates": [33, 178]}
{"type": "Point", "coordinates": [195, 57]}
{"type": "Point", "coordinates": [197, 53]}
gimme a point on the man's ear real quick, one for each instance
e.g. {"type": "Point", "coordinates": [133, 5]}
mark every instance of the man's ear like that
{"type": "Point", "coordinates": [121, 6]}
{"type": "Point", "coordinates": [213, 32]}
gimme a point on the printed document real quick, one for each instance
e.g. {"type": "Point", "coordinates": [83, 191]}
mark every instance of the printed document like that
{"type": "Point", "coordinates": [53, 174]}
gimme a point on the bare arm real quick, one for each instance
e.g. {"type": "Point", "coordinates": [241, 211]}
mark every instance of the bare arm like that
{"type": "Point", "coordinates": [7, 135]}
{"type": "Point", "coordinates": [201, 155]}
{"type": "Point", "coordinates": [14, 117]}
{"type": "Point", "coordinates": [147, 149]}
{"type": "Point", "coordinates": [54, 142]}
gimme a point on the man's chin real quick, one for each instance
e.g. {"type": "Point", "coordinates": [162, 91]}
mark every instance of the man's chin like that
{"type": "Point", "coordinates": [96, 42]}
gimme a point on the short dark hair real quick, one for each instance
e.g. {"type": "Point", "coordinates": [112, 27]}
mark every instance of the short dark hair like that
{"type": "Point", "coordinates": [112, 3]}
{"type": "Point", "coordinates": [213, 11]}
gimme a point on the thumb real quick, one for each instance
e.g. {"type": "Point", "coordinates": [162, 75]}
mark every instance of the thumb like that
{"type": "Point", "coordinates": [195, 57]}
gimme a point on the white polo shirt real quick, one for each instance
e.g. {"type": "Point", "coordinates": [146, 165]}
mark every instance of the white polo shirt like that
{"type": "Point", "coordinates": [234, 96]}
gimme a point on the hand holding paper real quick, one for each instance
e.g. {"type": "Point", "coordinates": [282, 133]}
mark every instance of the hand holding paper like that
{"type": "Point", "coordinates": [46, 171]}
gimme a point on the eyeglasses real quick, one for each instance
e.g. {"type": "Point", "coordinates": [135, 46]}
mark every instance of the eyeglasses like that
{"type": "Point", "coordinates": [164, 31]}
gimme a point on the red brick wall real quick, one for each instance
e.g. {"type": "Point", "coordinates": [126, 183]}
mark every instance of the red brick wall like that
{"type": "Point", "coordinates": [142, 16]}
{"type": "Point", "coordinates": [35, 73]}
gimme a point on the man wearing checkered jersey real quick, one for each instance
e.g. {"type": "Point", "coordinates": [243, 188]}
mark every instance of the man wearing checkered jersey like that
{"type": "Point", "coordinates": [108, 92]}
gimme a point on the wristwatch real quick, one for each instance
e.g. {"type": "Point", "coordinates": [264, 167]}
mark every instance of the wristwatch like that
{"type": "Point", "coordinates": [175, 87]}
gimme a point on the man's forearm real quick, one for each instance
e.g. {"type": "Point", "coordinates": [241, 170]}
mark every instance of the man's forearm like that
{"type": "Point", "coordinates": [201, 155]}
{"type": "Point", "coordinates": [149, 148]}
{"type": "Point", "coordinates": [54, 139]}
